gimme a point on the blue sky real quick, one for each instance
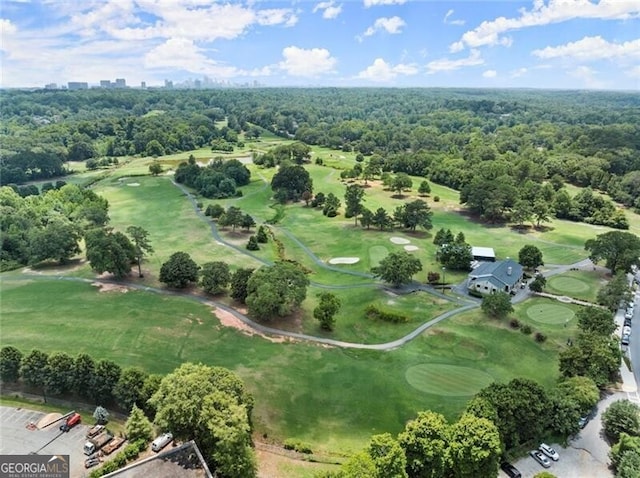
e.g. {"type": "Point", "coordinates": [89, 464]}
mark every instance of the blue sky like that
{"type": "Point", "coordinates": [593, 44]}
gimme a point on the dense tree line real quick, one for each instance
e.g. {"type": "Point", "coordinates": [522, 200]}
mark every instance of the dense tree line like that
{"type": "Point", "coordinates": [460, 138]}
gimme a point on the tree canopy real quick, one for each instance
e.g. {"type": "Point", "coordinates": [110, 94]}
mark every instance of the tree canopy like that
{"type": "Point", "coordinates": [276, 291]}
{"type": "Point", "coordinates": [397, 268]}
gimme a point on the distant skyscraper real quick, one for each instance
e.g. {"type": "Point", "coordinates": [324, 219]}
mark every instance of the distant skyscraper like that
{"type": "Point", "coordinates": [105, 84]}
{"type": "Point", "coordinates": [143, 84]}
{"type": "Point", "coordinates": [121, 83]}
{"type": "Point", "coordinates": [78, 85]}
{"type": "Point", "coordinates": [168, 84]}
{"type": "Point", "coordinates": [51, 86]}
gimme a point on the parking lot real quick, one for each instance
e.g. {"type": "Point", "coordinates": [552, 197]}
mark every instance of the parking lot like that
{"type": "Point", "coordinates": [16, 438]}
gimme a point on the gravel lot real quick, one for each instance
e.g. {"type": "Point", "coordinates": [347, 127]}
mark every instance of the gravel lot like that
{"type": "Point", "coordinates": [17, 439]}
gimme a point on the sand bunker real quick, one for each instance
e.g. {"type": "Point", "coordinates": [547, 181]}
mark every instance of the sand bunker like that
{"type": "Point", "coordinates": [133, 184]}
{"type": "Point", "coordinates": [399, 240]}
{"type": "Point", "coordinates": [344, 260]}
{"type": "Point", "coordinates": [411, 248]}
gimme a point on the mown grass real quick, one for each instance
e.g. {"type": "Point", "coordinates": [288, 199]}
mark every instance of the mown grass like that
{"type": "Point", "coordinates": [581, 284]}
{"type": "Point", "coordinates": [358, 392]}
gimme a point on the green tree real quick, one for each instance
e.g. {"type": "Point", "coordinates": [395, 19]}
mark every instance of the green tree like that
{"type": "Point", "coordinates": [397, 268]}
{"type": "Point", "coordinates": [598, 321]}
{"type": "Point", "coordinates": [624, 444]}
{"type": "Point", "coordinates": [497, 305]}
{"type": "Point", "coordinates": [474, 447]}
{"type": "Point", "coordinates": [60, 373]}
{"type": "Point", "coordinates": [424, 189]}
{"type": "Point", "coordinates": [233, 217]}
{"type": "Point", "coordinates": [109, 251]}
{"type": "Point", "coordinates": [622, 416]}
{"type": "Point", "coordinates": [275, 291]}
{"type": "Point", "coordinates": [261, 235]}
{"type": "Point", "coordinates": [425, 441]}
{"type": "Point", "coordinates": [34, 370]}
{"type": "Point", "coordinates": [215, 277]}
{"type": "Point", "coordinates": [151, 385]}
{"type": "Point", "coordinates": [155, 168]}
{"type": "Point", "coordinates": [353, 197]}
{"type": "Point", "coordinates": [538, 284]}
{"type": "Point", "coordinates": [326, 310]}
{"type": "Point", "coordinates": [388, 457]}
{"type": "Point", "coordinates": [613, 292]}
{"type": "Point", "coordinates": [359, 465]}
{"type": "Point", "coordinates": [10, 360]}
{"type": "Point", "coordinates": [291, 182]}
{"type": "Point", "coordinates": [541, 211]}
{"type": "Point", "coordinates": [142, 246]}
{"type": "Point", "coordinates": [530, 256]}
{"type": "Point", "coordinates": [105, 378]}
{"type": "Point", "coordinates": [239, 281]}
{"type": "Point", "coordinates": [455, 256]}
{"type": "Point", "coordinates": [581, 390]}
{"type": "Point", "coordinates": [154, 148]}
{"type": "Point", "coordinates": [101, 415]}
{"type": "Point", "coordinates": [523, 410]}
{"type": "Point", "coordinates": [252, 244]}
{"type": "Point", "coordinates": [629, 466]}
{"type": "Point", "coordinates": [593, 356]}
{"type": "Point", "coordinates": [214, 211]}
{"type": "Point", "coordinates": [138, 427]}
{"type": "Point", "coordinates": [366, 218]}
{"type": "Point", "coordinates": [179, 271]}
{"type": "Point", "coordinates": [414, 214]}
{"type": "Point", "coordinates": [58, 240]}
{"type": "Point", "coordinates": [331, 205]}
{"type": "Point", "coordinates": [620, 250]}
{"type": "Point", "coordinates": [128, 390]}
{"type": "Point", "coordinates": [381, 219]}
{"type": "Point", "coordinates": [211, 406]}
{"type": "Point", "coordinates": [401, 182]}
{"type": "Point", "coordinates": [521, 212]}
{"type": "Point", "coordinates": [84, 370]}
{"type": "Point", "coordinates": [247, 222]}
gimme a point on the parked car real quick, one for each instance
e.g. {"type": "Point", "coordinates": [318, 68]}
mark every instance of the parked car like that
{"type": "Point", "coordinates": [540, 458]}
{"type": "Point", "coordinates": [628, 314]}
{"type": "Point", "coordinates": [510, 470]}
{"type": "Point", "coordinates": [91, 462]}
{"type": "Point", "coordinates": [625, 339]}
{"type": "Point", "coordinates": [627, 322]}
{"type": "Point", "coordinates": [583, 421]}
{"type": "Point", "coordinates": [626, 330]}
{"type": "Point", "coordinates": [71, 421]}
{"type": "Point", "coordinates": [549, 451]}
{"type": "Point", "coordinates": [162, 441]}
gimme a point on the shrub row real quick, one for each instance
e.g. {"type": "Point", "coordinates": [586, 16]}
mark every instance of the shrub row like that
{"type": "Point", "coordinates": [373, 312]}
{"type": "Point", "coordinates": [129, 453]}
{"type": "Point", "coordinates": [300, 447]}
{"type": "Point", "coordinates": [527, 330]}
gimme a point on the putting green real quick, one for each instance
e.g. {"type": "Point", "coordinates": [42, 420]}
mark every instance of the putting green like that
{"type": "Point", "coordinates": [550, 313]}
{"type": "Point", "coordinates": [568, 284]}
{"type": "Point", "coordinates": [447, 380]}
{"type": "Point", "coordinates": [376, 254]}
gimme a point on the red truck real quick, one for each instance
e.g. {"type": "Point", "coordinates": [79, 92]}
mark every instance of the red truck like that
{"type": "Point", "coordinates": [71, 421]}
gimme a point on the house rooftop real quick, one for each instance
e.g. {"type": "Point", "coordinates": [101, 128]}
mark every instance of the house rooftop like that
{"type": "Point", "coordinates": [184, 461]}
{"type": "Point", "coordinates": [507, 272]}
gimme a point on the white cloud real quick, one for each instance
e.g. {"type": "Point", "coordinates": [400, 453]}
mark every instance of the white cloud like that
{"type": "Point", "coordinates": [445, 64]}
{"type": "Point", "coordinates": [329, 10]}
{"type": "Point", "coordinates": [587, 76]}
{"type": "Point", "coordinates": [489, 32]}
{"type": "Point", "coordinates": [591, 48]}
{"type": "Point", "coordinates": [519, 72]}
{"type": "Point", "coordinates": [307, 62]}
{"type": "Point", "coordinates": [6, 27]}
{"type": "Point", "coordinates": [446, 20]}
{"type": "Point", "coordinates": [373, 3]}
{"type": "Point", "coordinates": [634, 72]}
{"type": "Point", "coordinates": [392, 25]}
{"type": "Point", "coordinates": [490, 74]}
{"type": "Point", "coordinates": [276, 16]}
{"type": "Point", "coordinates": [381, 71]}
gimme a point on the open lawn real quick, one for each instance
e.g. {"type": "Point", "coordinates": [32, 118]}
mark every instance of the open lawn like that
{"type": "Point", "coordinates": [581, 284]}
{"type": "Point", "coordinates": [358, 392]}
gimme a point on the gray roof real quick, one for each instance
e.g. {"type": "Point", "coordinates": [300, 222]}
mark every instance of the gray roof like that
{"type": "Point", "coordinates": [483, 252]}
{"type": "Point", "coordinates": [184, 461]}
{"type": "Point", "coordinates": [499, 273]}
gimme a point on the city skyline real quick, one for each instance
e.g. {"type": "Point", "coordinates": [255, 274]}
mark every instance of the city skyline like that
{"type": "Point", "coordinates": [559, 44]}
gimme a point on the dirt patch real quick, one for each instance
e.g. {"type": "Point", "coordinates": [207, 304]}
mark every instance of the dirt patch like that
{"type": "Point", "coordinates": [227, 319]}
{"type": "Point", "coordinates": [47, 420]}
{"type": "Point", "coordinates": [106, 287]}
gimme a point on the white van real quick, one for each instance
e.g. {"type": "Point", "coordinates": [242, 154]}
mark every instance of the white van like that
{"type": "Point", "coordinates": [162, 441]}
